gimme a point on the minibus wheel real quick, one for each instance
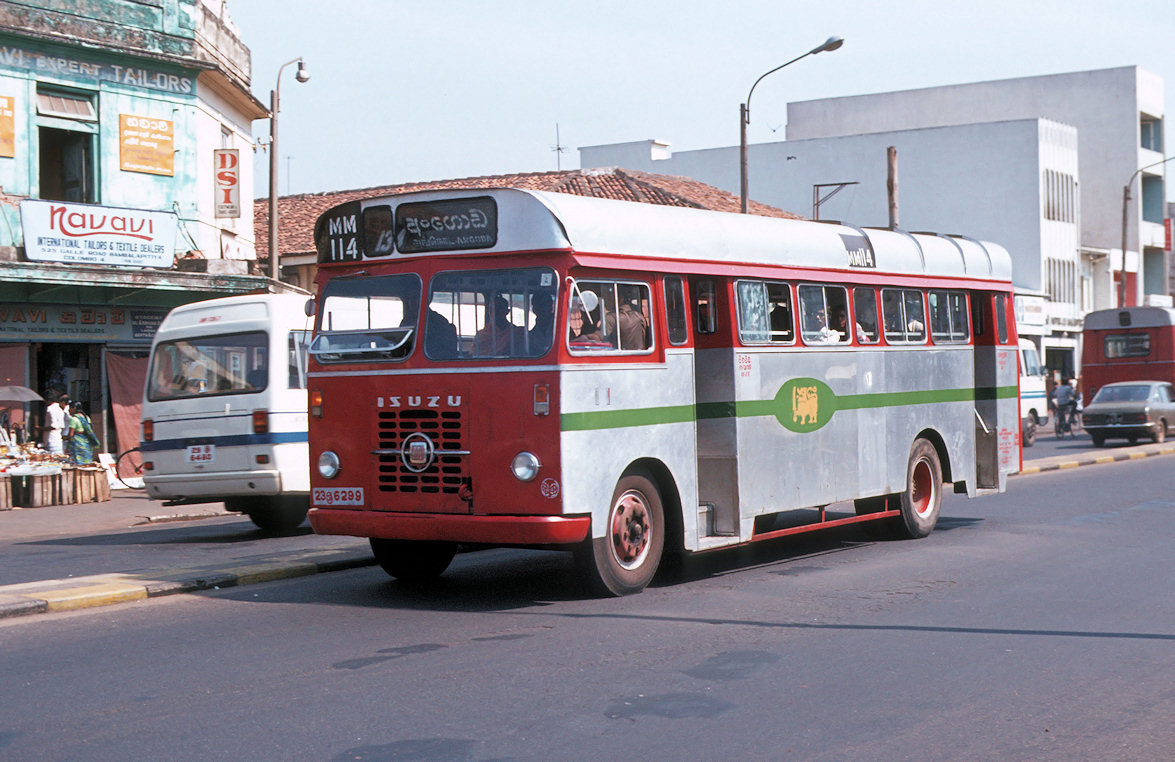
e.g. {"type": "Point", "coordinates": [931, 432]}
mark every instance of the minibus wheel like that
{"type": "Point", "coordinates": [922, 498]}
{"type": "Point", "coordinates": [413, 560]}
{"type": "Point", "coordinates": [624, 560]}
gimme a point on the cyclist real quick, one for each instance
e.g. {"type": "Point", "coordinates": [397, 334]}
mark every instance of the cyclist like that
{"type": "Point", "coordinates": [1066, 400]}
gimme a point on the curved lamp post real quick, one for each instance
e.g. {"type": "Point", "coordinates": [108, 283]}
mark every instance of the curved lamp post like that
{"type": "Point", "coordinates": [301, 76]}
{"type": "Point", "coordinates": [1125, 199]}
{"type": "Point", "coordinates": [744, 115]}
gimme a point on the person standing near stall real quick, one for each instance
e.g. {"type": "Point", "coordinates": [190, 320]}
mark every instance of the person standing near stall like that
{"type": "Point", "coordinates": [55, 416]}
{"type": "Point", "coordinates": [81, 437]}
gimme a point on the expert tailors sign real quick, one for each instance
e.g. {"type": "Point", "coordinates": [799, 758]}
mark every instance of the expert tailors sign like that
{"type": "Point", "coordinates": [55, 231]}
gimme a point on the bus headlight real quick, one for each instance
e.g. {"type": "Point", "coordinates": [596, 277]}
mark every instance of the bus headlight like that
{"type": "Point", "coordinates": [328, 464]}
{"type": "Point", "coordinates": [525, 466]}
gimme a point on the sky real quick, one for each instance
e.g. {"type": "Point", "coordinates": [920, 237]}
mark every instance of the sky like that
{"type": "Point", "coordinates": [416, 90]}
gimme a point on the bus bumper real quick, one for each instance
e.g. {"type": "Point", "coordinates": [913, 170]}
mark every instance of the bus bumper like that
{"type": "Point", "coordinates": [218, 485]}
{"type": "Point", "coordinates": [489, 530]}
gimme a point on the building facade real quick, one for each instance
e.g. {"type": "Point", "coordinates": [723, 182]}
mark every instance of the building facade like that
{"type": "Point", "coordinates": [126, 159]}
{"type": "Point", "coordinates": [1037, 164]}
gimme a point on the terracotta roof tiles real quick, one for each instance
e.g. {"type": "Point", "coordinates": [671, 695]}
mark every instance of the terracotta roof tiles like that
{"type": "Point", "coordinates": [299, 212]}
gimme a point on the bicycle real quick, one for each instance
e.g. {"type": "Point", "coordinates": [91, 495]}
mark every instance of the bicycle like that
{"type": "Point", "coordinates": [1067, 422]}
{"type": "Point", "coordinates": [128, 468]}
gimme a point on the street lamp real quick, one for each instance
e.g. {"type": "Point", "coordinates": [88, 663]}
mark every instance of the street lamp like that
{"type": "Point", "coordinates": [1126, 198]}
{"type": "Point", "coordinates": [744, 115]}
{"type": "Point", "coordinates": [301, 76]}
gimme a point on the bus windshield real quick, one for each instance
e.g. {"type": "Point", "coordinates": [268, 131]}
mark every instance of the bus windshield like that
{"type": "Point", "coordinates": [206, 365]}
{"type": "Point", "coordinates": [367, 318]}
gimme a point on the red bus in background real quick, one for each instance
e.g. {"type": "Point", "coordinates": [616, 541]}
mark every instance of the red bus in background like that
{"type": "Point", "coordinates": [1127, 344]}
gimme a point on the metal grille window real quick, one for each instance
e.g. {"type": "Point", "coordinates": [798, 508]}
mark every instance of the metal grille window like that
{"type": "Point", "coordinates": [1127, 345]}
{"type": "Point", "coordinates": [904, 316]}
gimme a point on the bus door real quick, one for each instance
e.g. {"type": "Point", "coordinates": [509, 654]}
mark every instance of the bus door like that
{"type": "Point", "coordinates": [717, 426]}
{"type": "Point", "coordinates": [997, 415]}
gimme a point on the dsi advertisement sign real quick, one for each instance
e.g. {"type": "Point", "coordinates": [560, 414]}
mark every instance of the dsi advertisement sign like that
{"type": "Point", "coordinates": [85, 234]}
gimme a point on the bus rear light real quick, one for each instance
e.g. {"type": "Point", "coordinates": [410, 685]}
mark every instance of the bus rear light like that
{"type": "Point", "coordinates": [148, 466]}
{"type": "Point", "coordinates": [261, 460]}
{"type": "Point", "coordinates": [148, 430]}
{"type": "Point", "coordinates": [542, 399]}
{"type": "Point", "coordinates": [316, 404]}
{"type": "Point", "coordinates": [260, 421]}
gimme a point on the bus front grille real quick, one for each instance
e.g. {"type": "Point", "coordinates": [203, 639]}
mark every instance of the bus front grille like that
{"type": "Point", "coordinates": [446, 474]}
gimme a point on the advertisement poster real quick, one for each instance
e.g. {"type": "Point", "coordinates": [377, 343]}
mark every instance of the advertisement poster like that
{"type": "Point", "coordinates": [85, 234]}
{"type": "Point", "coordinates": [7, 128]}
{"type": "Point", "coordinates": [226, 166]}
{"type": "Point", "coordinates": [146, 145]}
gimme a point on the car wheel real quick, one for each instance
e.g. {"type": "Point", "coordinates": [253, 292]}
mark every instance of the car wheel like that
{"type": "Point", "coordinates": [1160, 431]}
{"type": "Point", "coordinates": [1028, 438]}
{"type": "Point", "coordinates": [1099, 440]}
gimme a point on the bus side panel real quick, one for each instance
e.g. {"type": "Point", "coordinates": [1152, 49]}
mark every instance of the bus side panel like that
{"type": "Point", "coordinates": [616, 416]}
{"type": "Point", "coordinates": [880, 401]}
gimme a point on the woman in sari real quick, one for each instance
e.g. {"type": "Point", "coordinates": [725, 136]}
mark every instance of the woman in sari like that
{"type": "Point", "coordinates": [81, 439]}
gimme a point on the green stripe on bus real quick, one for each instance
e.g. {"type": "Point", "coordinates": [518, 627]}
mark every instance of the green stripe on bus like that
{"type": "Point", "coordinates": [618, 419]}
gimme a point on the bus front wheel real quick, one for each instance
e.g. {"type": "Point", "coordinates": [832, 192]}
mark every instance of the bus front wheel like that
{"type": "Point", "coordinates": [413, 560]}
{"type": "Point", "coordinates": [624, 560]}
{"type": "Point", "coordinates": [922, 498]}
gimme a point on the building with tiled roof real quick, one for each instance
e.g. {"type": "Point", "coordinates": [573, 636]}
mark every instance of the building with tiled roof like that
{"type": "Point", "coordinates": [298, 213]}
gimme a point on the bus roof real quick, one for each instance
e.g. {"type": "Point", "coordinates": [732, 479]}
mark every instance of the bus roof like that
{"type": "Point", "coordinates": [233, 313]}
{"type": "Point", "coordinates": [514, 220]}
{"type": "Point", "coordinates": [1129, 317]}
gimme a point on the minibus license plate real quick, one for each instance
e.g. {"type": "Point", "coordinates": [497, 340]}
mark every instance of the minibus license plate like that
{"type": "Point", "coordinates": [201, 453]}
{"type": "Point", "coordinates": [338, 496]}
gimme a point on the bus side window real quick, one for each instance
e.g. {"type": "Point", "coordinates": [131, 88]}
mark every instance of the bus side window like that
{"type": "Point", "coordinates": [782, 317]}
{"type": "Point", "coordinates": [1001, 318]}
{"type": "Point", "coordinates": [865, 313]}
{"type": "Point", "coordinates": [705, 306]}
{"type": "Point", "coordinates": [675, 318]}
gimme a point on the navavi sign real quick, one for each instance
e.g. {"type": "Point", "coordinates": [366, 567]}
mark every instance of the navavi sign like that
{"type": "Point", "coordinates": [859, 251]}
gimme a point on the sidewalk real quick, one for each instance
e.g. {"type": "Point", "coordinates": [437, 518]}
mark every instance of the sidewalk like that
{"type": "Point", "coordinates": [129, 511]}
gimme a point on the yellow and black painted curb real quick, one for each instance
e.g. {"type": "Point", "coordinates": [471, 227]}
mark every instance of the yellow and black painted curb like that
{"type": "Point", "coordinates": [108, 589]}
{"type": "Point", "coordinates": [1061, 462]}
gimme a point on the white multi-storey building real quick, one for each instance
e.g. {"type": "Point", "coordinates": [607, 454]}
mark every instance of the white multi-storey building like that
{"type": "Point", "coordinates": [1036, 163]}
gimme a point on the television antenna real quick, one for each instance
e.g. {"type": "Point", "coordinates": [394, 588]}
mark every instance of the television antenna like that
{"type": "Point", "coordinates": [559, 149]}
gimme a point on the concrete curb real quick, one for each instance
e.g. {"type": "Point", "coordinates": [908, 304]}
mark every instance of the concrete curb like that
{"type": "Point", "coordinates": [109, 589]}
{"type": "Point", "coordinates": [1061, 462]}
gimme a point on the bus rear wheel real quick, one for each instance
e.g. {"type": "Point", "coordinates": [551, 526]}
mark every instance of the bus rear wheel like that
{"type": "Point", "coordinates": [413, 560]}
{"type": "Point", "coordinates": [922, 498]}
{"type": "Point", "coordinates": [625, 559]}
{"type": "Point", "coordinates": [281, 513]}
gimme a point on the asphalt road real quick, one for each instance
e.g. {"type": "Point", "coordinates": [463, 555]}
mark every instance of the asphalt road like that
{"type": "Point", "coordinates": [1037, 624]}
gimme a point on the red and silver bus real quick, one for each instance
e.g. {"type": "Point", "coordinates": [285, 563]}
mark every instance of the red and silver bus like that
{"type": "Point", "coordinates": [624, 380]}
{"type": "Point", "coordinates": [1127, 344]}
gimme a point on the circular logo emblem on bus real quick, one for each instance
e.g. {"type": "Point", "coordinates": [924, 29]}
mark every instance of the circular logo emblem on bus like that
{"type": "Point", "coordinates": [549, 488]}
{"type": "Point", "coordinates": [804, 404]}
{"type": "Point", "coordinates": [417, 452]}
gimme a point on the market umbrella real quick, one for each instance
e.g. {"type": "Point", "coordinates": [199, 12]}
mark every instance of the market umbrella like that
{"type": "Point", "coordinates": [20, 394]}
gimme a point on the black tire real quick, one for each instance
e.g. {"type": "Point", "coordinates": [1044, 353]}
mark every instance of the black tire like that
{"type": "Point", "coordinates": [413, 560]}
{"type": "Point", "coordinates": [1160, 434]}
{"type": "Point", "coordinates": [129, 468]}
{"type": "Point", "coordinates": [1099, 440]}
{"type": "Point", "coordinates": [625, 559]}
{"type": "Point", "coordinates": [272, 514]}
{"type": "Point", "coordinates": [1028, 438]}
{"type": "Point", "coordinates": [922, 498]}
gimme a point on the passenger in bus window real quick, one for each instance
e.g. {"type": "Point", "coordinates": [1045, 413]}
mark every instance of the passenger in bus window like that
{"type": "Point", "coordinates": [543, 307]}
{"type": "Point", "coordinates": [499, 335]}
{"type": "Point", "coordinates": [634, 326]}
{"type": "Point", "coordinates": [781, 322]}
{"type": "Point", "coordinates": [841, 326]}
{"type": "Point", "coordinates": [581, 329]}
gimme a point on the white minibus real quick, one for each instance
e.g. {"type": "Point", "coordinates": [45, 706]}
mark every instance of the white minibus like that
{"type": "Point", "coordinates": [1034, 403]}
{"type": "Point", "coordinates": [224, 408]}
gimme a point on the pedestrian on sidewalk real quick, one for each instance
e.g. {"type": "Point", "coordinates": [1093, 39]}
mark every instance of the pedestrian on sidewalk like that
{"type": "Point", "coordinates": [82, 440]}
{"type": "Point", "coordinates": [55, 416]}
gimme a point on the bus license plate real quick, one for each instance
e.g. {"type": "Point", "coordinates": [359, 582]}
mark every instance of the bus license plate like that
{"type": "Point", "coordinates": [338, 496]}
{"type": "Point", "coordinates": [201, 453]}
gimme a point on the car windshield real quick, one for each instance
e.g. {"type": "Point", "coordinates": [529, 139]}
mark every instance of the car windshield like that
{"type": "Point", "coordinates": [1133, 393]}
